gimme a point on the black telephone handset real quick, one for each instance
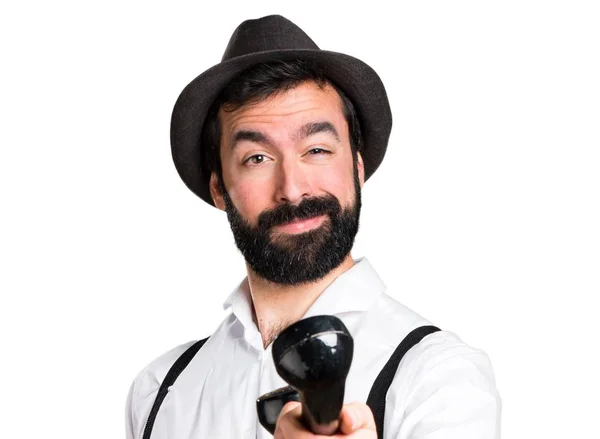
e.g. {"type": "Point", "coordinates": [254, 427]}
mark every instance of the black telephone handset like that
{"type": "Point", "coordinates": [313, 356]}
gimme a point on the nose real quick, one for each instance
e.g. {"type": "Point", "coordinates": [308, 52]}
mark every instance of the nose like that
{"type": "Point", "coordinates": [292, 183]}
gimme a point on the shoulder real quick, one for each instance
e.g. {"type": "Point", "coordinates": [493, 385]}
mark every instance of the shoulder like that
{"type": "Point", "coordinates": [391, 321]}
{"type": "Point", "coordinates": [154, 373]}
{"type": "Point", "coordinates": [387, 322]}
{"type": "Point", "coordinates": [144, 388]}
{"type": "Point", "coordinates": [438, 355]}
{"type": "Point", "coordinates": [147, 382]}
{"type": "Point", "coordinates": [444, 383]}
{"type": "Point", "coordinates": [149, 379]}
{"type": "Point", "coordinates": [442, 358]}
{"type": "Point", "coordinates": [395, 321]}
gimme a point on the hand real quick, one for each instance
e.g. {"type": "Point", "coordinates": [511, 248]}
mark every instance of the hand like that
{"type": "Point", "coordinates": [356, 422]}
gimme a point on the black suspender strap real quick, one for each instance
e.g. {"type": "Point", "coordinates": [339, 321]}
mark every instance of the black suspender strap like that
{"type": "Point", "coordinates": [172, 375]}
{"type": "Point", "coordinates": [377, 395]}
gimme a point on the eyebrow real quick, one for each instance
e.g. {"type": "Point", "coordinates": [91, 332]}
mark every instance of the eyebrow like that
{"type": "Point", "coordinates": [306, 130]}
{"type": "Point", "coordinates": [313, 128]}
{"type": "Point", "coordinates": [251, 136]}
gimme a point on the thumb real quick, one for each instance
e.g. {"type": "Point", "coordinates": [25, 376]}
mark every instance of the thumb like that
{"type": "Point", "coordinates": [356, 416]}
{"type": "Point", "coordinates": [288, 407]}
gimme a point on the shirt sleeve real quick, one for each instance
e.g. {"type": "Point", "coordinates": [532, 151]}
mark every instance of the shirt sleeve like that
{"type": "Point", "coordinates": [129, 414]}
{"type": "Point", "coordinates": [453, 397]}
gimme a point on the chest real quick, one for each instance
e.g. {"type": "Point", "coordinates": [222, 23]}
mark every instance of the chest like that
{"type": "Point", "coordinates": [216, 394]}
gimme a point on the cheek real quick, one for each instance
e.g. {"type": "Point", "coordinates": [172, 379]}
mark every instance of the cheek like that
{"type": "Point", "coordinates": [250, 198]}
{"type": "Point", "coordinates": [339, 182]}
{"type": "Point", "coordinates": [345, 179]}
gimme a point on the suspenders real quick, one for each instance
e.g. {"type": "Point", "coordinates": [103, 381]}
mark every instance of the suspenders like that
{"type": "Point", "coordinates": [172, 375]}
{"type": "Point", "coordinates": [376, 399]}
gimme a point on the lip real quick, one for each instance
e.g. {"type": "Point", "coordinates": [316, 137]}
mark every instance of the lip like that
{"type": "Point", "coordinates": [301, 226]}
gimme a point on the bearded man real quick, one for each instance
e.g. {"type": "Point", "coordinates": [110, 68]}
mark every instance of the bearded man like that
{"type": "Point", "coordinates": [282, 136]}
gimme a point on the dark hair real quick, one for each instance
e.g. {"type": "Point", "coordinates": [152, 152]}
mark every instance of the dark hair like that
{"type": "Point", "coordinates": [258, 83]}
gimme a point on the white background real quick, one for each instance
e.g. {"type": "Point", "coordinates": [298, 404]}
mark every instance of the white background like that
{"type": "Point", "coordinates": [483, 216]}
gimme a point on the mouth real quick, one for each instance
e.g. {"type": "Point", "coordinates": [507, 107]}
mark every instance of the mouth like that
{"type": "Point", "coordinates": [300, 226]}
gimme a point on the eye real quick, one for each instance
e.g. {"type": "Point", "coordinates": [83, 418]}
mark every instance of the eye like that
{"type": "Point", "coordinates": [316, 151]}
{"type": "Point", "coordinates": [256, 159]}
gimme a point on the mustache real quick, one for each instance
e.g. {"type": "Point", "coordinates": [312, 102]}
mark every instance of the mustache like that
{"type": "Point", "coordinates": [307, 208]}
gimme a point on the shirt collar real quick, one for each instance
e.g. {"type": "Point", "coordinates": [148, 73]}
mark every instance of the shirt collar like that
{"type": "Point", "coordinates": [354, 290]}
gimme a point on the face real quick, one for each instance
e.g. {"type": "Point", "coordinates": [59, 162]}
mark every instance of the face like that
{"type": "Point", "coordinates": [291, 188]}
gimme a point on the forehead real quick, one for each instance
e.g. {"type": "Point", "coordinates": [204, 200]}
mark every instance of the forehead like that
{"type": "Point", "coordinates": [305, 102]}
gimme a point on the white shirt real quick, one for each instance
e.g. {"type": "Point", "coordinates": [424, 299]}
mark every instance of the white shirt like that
{"type": "Point", "coordinates": [443, 388]}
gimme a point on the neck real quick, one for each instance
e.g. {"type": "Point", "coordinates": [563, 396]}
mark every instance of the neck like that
{"type": "Point", "coordinates": [277, 306]}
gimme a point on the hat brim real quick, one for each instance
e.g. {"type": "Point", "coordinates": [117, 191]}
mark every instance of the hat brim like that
{"type": "Point", "coordinates": [359, 81]}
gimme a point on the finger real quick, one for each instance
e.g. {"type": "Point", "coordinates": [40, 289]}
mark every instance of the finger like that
{"type": "Point", "coordinates": [288, 423]}
{"type": "Point", "coordinates": [288, 407]}
{"type": "Point", "coordinates": [356, 416]}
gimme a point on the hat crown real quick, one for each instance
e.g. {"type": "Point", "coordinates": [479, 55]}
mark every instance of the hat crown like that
{"type": "Point", "coordinates": [272, 32]}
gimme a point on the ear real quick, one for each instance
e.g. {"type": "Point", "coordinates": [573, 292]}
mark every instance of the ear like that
{"type": "Point", "coordinates": [361, 169]}
{"type": "Point", "coordinates": [215, 192]}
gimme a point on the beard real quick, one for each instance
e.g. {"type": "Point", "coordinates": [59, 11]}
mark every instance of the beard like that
{"type": "Point", "coordinates": [290, 259]}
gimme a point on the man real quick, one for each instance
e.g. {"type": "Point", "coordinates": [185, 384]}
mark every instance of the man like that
{"type": "Point", "coordinates": [282, 136]}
